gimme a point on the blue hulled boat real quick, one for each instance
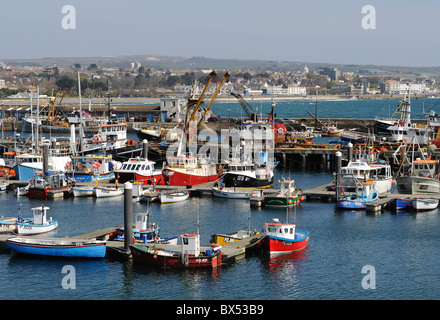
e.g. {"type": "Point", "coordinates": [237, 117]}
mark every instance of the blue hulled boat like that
{"type": "Point", "coordinates": [90, 168]}
{"type": "Point", "coordinates": [71, 248]}
{"type": "Point", "coordinates": [365, 193]}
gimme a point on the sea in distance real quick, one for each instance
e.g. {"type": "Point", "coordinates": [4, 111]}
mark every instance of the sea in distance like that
{"type": "Point", "coordinates": [351, 254]}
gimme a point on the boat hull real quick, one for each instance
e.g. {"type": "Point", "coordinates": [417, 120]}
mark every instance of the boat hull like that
{"type": "Point", "coordinates": [178, 178]}
{"type": "Point", "coordinates": [281, 202]}
{"type": "Point", "coordinates": [399, 204]}
{"type": "Point", "coordinates": [232, 193]}
{"type": "Point", "coordinates": [424, 204]}
{"type": "Point", "coordinates": [71, 249]}
{"type": "Point", "coordinates": [107, 192]}
{"type": "Point", "coordinates": [31, 229]}
{"type": "Point", "coordinates": [162, 258]}
{"type": "Point", "coordinates": [244, 181]}
{"type": "Point", "coordinates": [417, 185]}
{"type": "Point", "coordinates": [351, 204]}
{"type": "Point", "coordinates": [8, 225]}
{"type": "Point", "coordinates": [80, 192]}
{"type": "Point", "coordinates": [173, 197]}
{"type": "Point", "coordinates": [277, 245]}
{"type": "Point", "coordinates": [82, 177]}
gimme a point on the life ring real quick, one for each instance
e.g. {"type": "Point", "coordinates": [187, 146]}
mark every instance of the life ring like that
{"type": "Point", "coordinates": [404, 141]}
{"type": "Point", "coordinates": [96, 137]}
{"type": "Point", "coordinates": [134, 239]}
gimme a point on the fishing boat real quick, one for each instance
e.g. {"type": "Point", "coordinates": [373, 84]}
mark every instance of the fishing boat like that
{"type": "Point", "coordinates": [189, 255]}
{"type": "Point", "coordinates": [183, 170]}
{"type": "Point", "coordinates": [82, 192]}
{"type": "Point", "coordinates": [416, 175]}
{"type": "Point", "coordinates": [7, 225]}
{"type": "Point", "coordinates": [90, 168]}
{"type": "Point", "coordinates": [403, 130]}
{"type": "Point", "coordinates": [399, 203]}
{"type": "Point", "coordinates": [288, 196]}
{"type": "Point", "coordinates": [111, 139]}
{"type": "Point", "coordinates": [139, 169]}
{"type": "Point", "coordinates": [142, 231]}
{"type": "Point", "coordinates": [69, 248]}
{"type": "Point", "coordinates": [283, 237]}
{"type": "Point", "coordinates": [365, 192]}
{"type": "Point", "coordinates": [233, 193]}
{"type": "Point", "coordinates": [420, 204]}
{"type": "Point", "coordinates": [222, 239]}
{"type": "Point", "coordinates": [173, 196]}
{"type": "Point", "coordinates": [50, 186]}
{"type": "Point", "coordinates": [105, 192]}
{"type": "Point", "coordinates": [28, 164]}
{"type": "Point", "coordinates": [366, 166]}
{"type": "Point", "coordinates": [37, 224]}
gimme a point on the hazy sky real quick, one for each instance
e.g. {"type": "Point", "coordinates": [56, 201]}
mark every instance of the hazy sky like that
{"type": "Point", "coordinates": [407, 32]}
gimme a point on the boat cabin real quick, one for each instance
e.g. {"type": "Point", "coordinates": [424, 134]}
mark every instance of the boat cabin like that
{"type": "Point", "coordinates": [425, 168]}
{"type": "Point", "coordinates": [182, 162]}
{"type": "Point", "coordinates": [142, 220]}
{"type": "Point", "coordinates": [287, 187]}
{"type": "Point", "coordinates": [190, 244]}
{"type": "Point", "coordinates": [39, 214]}
{"type": "Point", "coordinates": [138, 164]}
{"type": "Point", "coordinates": [280, 230]}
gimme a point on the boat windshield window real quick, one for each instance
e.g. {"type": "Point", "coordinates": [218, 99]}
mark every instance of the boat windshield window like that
{"type": "Point", "coordinates": [138, 167]}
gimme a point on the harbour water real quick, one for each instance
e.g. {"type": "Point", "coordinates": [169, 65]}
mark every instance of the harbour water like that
{"type": "Point", "coordinates": [401, 247]}
{"type": "Point", "coordinates": [399, 250]}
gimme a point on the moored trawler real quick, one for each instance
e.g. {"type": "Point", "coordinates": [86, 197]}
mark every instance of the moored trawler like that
{"type": "Point", "coordinates": [184, 170]}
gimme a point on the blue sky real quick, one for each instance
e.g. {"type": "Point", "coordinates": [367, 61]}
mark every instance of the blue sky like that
{"type": "Point", "coordinates": [322, 31]}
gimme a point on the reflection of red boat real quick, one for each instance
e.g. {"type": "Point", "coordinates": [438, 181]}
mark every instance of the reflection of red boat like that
{"type": "Point", "coordinates": [283, 237]}
{"type": "Point", "coordinates": [188, 256]}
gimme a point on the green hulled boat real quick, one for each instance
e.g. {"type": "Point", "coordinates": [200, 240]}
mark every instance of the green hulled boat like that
{"type": "Point", "coordinates": [288, 196]}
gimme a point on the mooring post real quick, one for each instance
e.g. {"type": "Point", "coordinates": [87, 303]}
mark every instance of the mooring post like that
{"type": "Point", "coordinates": [45, 160]}
{"type": "Point", "coordinates": [128, 215]}
{"type": "Point", "coordinates": [350, 151]}
{"type": "Point", "coordinates": [338, 172]}
{"type": "Point", "coordinates": [145, 148]}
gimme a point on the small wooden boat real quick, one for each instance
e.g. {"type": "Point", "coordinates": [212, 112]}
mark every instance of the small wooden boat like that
{"type": "Point", "coordinates": [71, 248]}
{"type": "Point", "coordinates": [283, 237]}
{"type": "Point", "coordinates": [7, 225]}
{"type": "Point", "coordinates": [82, 192]}
{"type": "Point", "coordinates": [420, 204]}
{"type": "Point", "coordinates": [400, 203]}
{"type": "Point", "coordinates": [4, 185]}
{"type": "Point", "coordinates": [174, 196]}
{"type": "Point", "coordinates": [233, 193]}
{"type": "Point", "coordinates": [36, 225]}
{"type": "Point", "coordinates": [190, 254]}
{"type": "Point", "coordinates": [102, 192]}
{"type": "Point", "coordinates": [143, 230]}
{"type": "Point", "coordinates": [222, 239]}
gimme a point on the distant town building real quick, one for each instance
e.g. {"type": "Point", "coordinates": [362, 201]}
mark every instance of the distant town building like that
{"type": "Point", "coordinates": [391, 87]}
{"type": "Point", "coordinates": [332, 73]}
{"type": "Point", "coordinates": [2, 84]}
{"type": "Point", "coordinates": [291, 89]}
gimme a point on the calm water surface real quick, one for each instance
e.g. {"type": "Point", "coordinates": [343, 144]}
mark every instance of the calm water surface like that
{"type": "Point", "coordinates": [402, 247]}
